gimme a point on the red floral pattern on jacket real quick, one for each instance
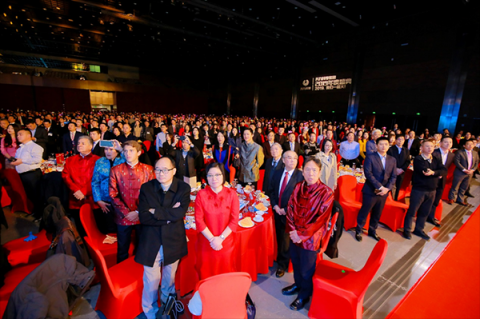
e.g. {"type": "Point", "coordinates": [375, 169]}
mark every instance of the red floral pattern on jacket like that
{"type": "Point", "coordinates": [308, 212]}
{"type": "Point", "coordinates": [77, 175]}
{"type": "Point", "coordinates": [124, 189]}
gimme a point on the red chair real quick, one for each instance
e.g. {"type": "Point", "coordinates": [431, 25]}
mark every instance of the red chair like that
{"type": "Point", "coordinates": [108, 251]}
{"type": "Point", "coordinates": [393, 213]}
{"type": "Point", "coordinates": [439, 210]}
{"type": "Point", "coordinates": [6, 200]}
{"type": "Point", "coordinates": [233, 171]}
{"type": "Point", "coordinates": [20, 252]}
{"type": "Point", "coordinates": [338, 291]}
{"type": "Point", "coordinates": [147, 144]}
{"type": "Point", "coordinates": [260, 179]}
{"type": "Point", "coordinates": [326, 237]}
{"type": "Point", "coordinates": [448, 182]}
{"type": "Point", "coordinates": [347, 186]}
{"type": "Point", "coordinates": [405, 189]}
{"type": "Point", "coordinates": [223, 296]}
{"type": "Point", "coordinates": [301, 159]}
{"type": "Point", "coordinates": [121, 285]}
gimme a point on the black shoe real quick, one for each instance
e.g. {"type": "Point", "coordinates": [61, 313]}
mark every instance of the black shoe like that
{"type": "Point", "coordinates": [374, 236]}
{"type": "Point", "coordinates": [280, 273]}
{"type": "Point", "coordinates": [469, 195]}
{"type": "Point", "coordinates": [434, 222]}
{"type": "Point", "coordinates": [462, 203]}
{"type": "Point", "coordinates": [407, 235]}
{"type": "Point", "coordinates": [290, 290]}
{"type": "Point", "coordinates": [422, 235]}
{"type": "Point", "coordinates": [298, 303]}
{"type": "Point", "coordinates": [358, 237]}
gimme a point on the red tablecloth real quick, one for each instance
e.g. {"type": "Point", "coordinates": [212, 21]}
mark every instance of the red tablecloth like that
{"type": "Point", "coordinates": [255, 252]}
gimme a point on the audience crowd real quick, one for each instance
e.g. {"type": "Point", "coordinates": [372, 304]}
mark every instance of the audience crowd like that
{"type": "Point", "coordinates": [138, 180]}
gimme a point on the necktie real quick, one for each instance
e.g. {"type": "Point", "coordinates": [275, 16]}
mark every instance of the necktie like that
{"type": "Point", "coordinates": [284, 184]}
{"type": "Point", "coordinates": [469, 159]}
{"type": "Point", "coordinates": [72, 135]}
{"type": "Point", "coordinates": [291, 146]}
{"type": "Point", "coordinates": [274, 164]}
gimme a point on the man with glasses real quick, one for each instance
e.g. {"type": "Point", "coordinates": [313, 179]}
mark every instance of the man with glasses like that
{"type": "Point", "coordinates": [162, 205]}
{"type": "Point", "coordinates": [125, 182]}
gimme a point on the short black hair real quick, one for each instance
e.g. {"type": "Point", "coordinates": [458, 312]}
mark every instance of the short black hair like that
{"type": "Point", "coordinates": [400, 135]}
{"type": "Point", "coordinates": [29, 121]}
{"type": "Point", "coordinates": [382, 138]}
{"type": "Point", "coordinates": [26, 130]}
{"type": "Point", "coordinates": [248, 129]}
{"type": "Point", "coordinates": [47, 121]}
{"type": "Point", "coordinates": [446, 136]}
{"type": "Point", "coordinates": [312, 159]}
{"type": "Point", "coordinates": [95, 130]}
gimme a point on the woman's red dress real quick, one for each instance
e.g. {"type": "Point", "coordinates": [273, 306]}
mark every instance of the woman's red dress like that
{"type": "Point", "coordinates": [216, 211]}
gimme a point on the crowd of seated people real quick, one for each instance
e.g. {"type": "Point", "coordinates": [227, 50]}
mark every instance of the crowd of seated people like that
{"type": "Point", "coordinates": [114, 178]}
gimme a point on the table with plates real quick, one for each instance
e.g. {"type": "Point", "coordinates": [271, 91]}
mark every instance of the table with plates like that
{"type": "Point", "coordinates": [254, 246]}
{"type": "Point", "coordinates": [208, 156]}
{"type": "Point", "coordinates": [52, 182]}
{"type": "Point", "coordinates": [358, 173]}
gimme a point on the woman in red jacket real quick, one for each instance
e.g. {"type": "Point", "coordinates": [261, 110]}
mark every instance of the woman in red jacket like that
{"type": "Point", "coordinates": [216, 217]}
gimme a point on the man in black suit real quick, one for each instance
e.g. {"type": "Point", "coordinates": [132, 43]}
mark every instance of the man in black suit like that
{"type": "Point", "coordinates": [267, 145]}
{"type": "Point", "coordinates": [292, 145]}
{"type": "Point", "coordinates": [162, 205]}
{"type": "Point", "coordinates": [280, 138]}
{"type": "Point", "coordinates": [272, 165]}
{"type": "Point", "coordinates": [96, 149]}
{"type": "Point", "coordinates": [52, 137]}
{"type": "Point", "coordinates": [466, 162]}
{"type": "Point", "coordinates": [70, 139]}
{"type": "Point", "coordinates": [402, 155]}
{"type": "Point", "coordinates": [39, 136]}
{"type": "Point", "coordinates": [105, 135]}
{"type": "Point", "coordinates": [282, 186]}
{"type": "Point", "coordinates": [426, 172]}
{"type": "Point", "coordinates": [380, 176]}
{"type": "Point", "coordinates": [184, 158]}
{"type": "Point", "coordinates": [443, 153]}
{"type": "Point", "coordinates": [413, 144]}
{"type": "Point", "coordinates": [174, 128]}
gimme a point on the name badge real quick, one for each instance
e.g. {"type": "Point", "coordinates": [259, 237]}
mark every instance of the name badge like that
{"type": "Point", "coordinates": [50, 134]}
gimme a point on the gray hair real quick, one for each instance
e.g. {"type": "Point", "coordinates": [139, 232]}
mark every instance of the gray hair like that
{"type": "Point", "coordinates": [86, 137]}
{"type": "Point", "coordinates": [277, 144]}
{"type": "Point", "coordinates": [375, 131]}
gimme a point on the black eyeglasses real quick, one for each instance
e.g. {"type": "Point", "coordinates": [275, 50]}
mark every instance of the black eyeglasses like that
{"type": "Point", "coordinates": [163, 171]}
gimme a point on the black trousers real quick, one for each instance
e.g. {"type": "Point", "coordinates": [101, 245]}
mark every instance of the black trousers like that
{"type": "Point", "coordinates": [105, 223]}
{"type": "Point", "coordinates": [420, 203]}
{"type": "Point", "coordinates": [398, 184]}
{"type": "Point", "coordinates": [374, 203]}
{"type": "Point", "coordinates": [303, 262]}
{"type": "Point", "coordinates": [31, 184]}
{"type": "Point", "coordinates": [283, 242]}
{"type": "Point", "coordinates": [124, 238]}
{"type": "Point", "coordinates": [75, 215]}
{"type": "Point", "coordinates": [436, 201]}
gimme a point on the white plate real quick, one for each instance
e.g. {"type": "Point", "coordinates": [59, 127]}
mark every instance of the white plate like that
{"type": "Point", "coordinates": [245, 226]}
{"type": "Point", "coordinates": [258, 219]}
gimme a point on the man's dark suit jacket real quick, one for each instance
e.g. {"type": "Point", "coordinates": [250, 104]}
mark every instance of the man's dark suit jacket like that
{"type": "Point", "coordinates": [461, 160]}
{"type": "Point", "coordinates": [177, 155]}
{"type": "Point", "coordinates": [269, 172]}
{"type": "Point", "coordinates": [403, 159]}
{"type": "Point", "coordinates": [298, 148]}
{"type": "Point", "coordinates": [156, 230]}
{"type": "Point", "coordinates": [99, 151]}
{"type": "Point", "coordinates": [170, 129]}
{"type": "Point", "coordinates": [280, 139]}
{"type": "Point", "coordinates": [41, 137]}
{"type": "Point", "coordinates": [415, 148]}
{"type": "Point", "coordinates": [450, 158]}
{"type": "Point", "coordinates": [297, 177]}
{"type": "Point", "coordinates": [52, 139]}
{"type": "Point", "coordinates": [107, 136]}
{"type": "Point", "coordinates": [376, 176]}
{"type": "Point", "coordinates": [67, 145]}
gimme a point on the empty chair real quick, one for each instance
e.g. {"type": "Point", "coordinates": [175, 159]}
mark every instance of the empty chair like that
{"type": "Point", "coordinates": [147, 144]}
{"type": "Point", "coordinates": [21, 252]}
{"type": "Point", "coordinates": [338, 291]}
{"type": "Point", "coordinates": [121, 285]}
{"type": "Point", "coordinates": [326, 237]}
{"type": "Point", "coordinates": [233, 171]}
{"type": "Point", "coordinates": [393, 213]}
{"type": "Point", "coordinates": [260, 179]}
{"type": "Point", "coordinates": [301, 159]}
{"type": "Point", "coordinates": [405, 188]}
{"type": "Point", "coordinates": [223, 296]}
{"type": "Point", "coordinates": [347, 187]}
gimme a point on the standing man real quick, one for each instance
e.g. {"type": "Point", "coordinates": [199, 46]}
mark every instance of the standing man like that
{"type": "Point", "coordinates": [162, 205]}
{"type": "Point", "coordinates": [291, 145]}
{"type": "Point", "coordinates": [52, 137]}
{"type": "Point", "coordinates": [350, 150]}
{"type": "Point", "coordinates": [104, 133]}
{"type": "Point", "coordinates": [402, 155]}
{"type": "Point", "coordinates": [267, 145]}
{"type": "Point", "coordinates": [125, 182]}
{"type": "Point", "coordinates": [272, 165]}
{"type": "Point", "coordinates": [413, 144]}
{"type": "Point", "coordinates": [39, 136]}
{"type": "Point", "coordinates": [380, 176]}
{"type": "Point", "coordinates": [96, 137]}
{"type": "Point", "coordinates": [447, 157]}
{"type": "Point", "coordinates": [70, 139]}
{"type": "Point", "coordinates": [161, 138]}
{"type": "Point", "coordinates": [184, 158]}
{"type": "Point", "coordinates": [28, 159]}
{"type": "Point", "coordinates": [371, 146]}
{"type": "Point", "coordinates": [466, 162]}
{"type": "Point", "coordinates": [282, 186]}
{"type": "Point", "coordinates": [426, 172]}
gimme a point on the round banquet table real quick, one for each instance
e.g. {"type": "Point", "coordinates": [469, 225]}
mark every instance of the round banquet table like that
{"type": "Point", "coordinates": [254, 248]}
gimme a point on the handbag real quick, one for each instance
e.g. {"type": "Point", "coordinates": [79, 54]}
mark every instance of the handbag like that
{"type": "Point", "coordinates": [251, 310]}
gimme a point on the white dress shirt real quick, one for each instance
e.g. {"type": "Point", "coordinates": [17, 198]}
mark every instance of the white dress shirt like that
{"type": "Point", "coordinates": [444, 156]}
{"type": "Point", "coordinates": [290, 173]}
{"type": "Point", "coordinates": [31, 155]}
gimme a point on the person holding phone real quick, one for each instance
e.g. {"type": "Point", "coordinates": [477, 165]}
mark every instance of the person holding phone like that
{"type": "Point", "coordinates": [184, 158]}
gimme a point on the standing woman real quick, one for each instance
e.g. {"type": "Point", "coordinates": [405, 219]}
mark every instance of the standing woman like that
{"type": "Point", "coordinates": [308, 213]}
{"type": "Point", "coordinates": [216, 216]}
{"type": "Point", "coordinates": [16, 191]}
{"type": "Point", "coordinates": [251, 159]}
{"type": "Point", "coordinates": [222, 153]}
{"type": "Point", "coordinates": [198, 141]}
{"type": "Point", "coordinates": [363, 144]}
{"type": "Point", "coordinates": [138, 130]}
{"type": "Point", "coordinates": [117, 132]}
{"type": "Point", "coordinates": [235, 140]}
{"type": "Point", "coordinates": [328, 174]}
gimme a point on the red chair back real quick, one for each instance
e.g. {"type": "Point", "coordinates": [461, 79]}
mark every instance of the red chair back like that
{"type": "Point", "coordinates": [100, 266]}
{"type": "Point", "coordinates": [339, 157]}
{"type": "Point", "coordinates": [328, 234]}
{"type": "Point", "coordinates": [89, 223]}
{"type": "Point", "coordinates": [147, 144]}
{"type": "Point", "coordinates": [301, 159]}
{"type": "Point", "coordinates": [366, 274]}
{"type": "Point", "coordinates": [260, 179]}
{"type": "Point", "coordinates": [233, 171]}
{"type": "Point", "coordinates": [223, 296]}
{"type": "Point", "coordinates": [347, 188]}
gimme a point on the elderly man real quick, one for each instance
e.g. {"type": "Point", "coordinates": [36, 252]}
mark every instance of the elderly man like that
{"type": "Point", "coordinates": [372, 145]}
{"type": "Point", "coordinates": [282, 185]}
{"type": "Point", "coordinates": [350, 150]}
{"type": "Point", "coordinates": [77, 175]}
{"type": "Point", "coordinates": [272, 164]}
{"type": "Point", "coordinates": [124, 189]}
{"type": "Point", "coordinates": [28, 159]}
{"type": "Point", "coordinates": [162, 205]}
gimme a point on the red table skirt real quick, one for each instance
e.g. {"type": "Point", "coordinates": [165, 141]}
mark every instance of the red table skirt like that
{"type": "Point", "coordinates": [255, 252]}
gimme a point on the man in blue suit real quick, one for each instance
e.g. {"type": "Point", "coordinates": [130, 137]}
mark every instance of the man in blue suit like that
{"type": "Point", "coordinates": [70, 139]}
{"type": "Point", "coordinates": [380, 176]}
